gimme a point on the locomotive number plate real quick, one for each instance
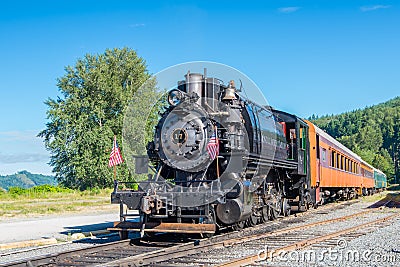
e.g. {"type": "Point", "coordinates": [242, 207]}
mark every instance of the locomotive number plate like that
{"type": "Point", "coordinates": [179, 136]}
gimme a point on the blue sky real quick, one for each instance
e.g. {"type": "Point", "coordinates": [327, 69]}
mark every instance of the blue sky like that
{"type": "Point", "coordinates": [308, 57]}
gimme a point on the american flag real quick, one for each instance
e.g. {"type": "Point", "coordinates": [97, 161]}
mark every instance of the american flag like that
{"type": "Point", "coordinates": [213, 146]}
{"type": "Point", "coordinates": [115, 155]}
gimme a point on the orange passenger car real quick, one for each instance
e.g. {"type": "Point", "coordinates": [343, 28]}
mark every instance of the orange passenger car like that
{"type": "Point", "coordinates": [335, 170]}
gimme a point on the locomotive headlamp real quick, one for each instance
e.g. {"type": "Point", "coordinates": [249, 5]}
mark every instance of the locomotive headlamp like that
{"type": "Point", "coordinates": [175, 97]}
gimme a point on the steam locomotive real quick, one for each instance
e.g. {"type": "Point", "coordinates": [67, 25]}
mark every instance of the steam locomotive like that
{"type": "Point", "coordinates": [222, 160]}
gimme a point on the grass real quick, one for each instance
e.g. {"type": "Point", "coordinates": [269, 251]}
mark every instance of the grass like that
{"type": "Point", "coordinates": [38, 202]}
{"type": "Point", "coordinates": [394, 195]}
{"type": "Point", "coordinates": [375, 197]}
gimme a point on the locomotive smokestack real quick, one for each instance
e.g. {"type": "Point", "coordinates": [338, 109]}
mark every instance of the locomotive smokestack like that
{"type": "Point", "coordinates": [194, 84]}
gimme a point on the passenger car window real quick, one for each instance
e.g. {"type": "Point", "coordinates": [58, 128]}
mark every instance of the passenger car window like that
{"type": "Point", "coordinates": [323, 154]}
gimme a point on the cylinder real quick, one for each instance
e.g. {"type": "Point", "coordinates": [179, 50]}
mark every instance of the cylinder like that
{"type": "Point", "coordinates": [232, 211]}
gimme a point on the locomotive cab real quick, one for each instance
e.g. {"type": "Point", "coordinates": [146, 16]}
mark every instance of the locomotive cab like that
{"type": "Point", "coordinates": [298, 149]}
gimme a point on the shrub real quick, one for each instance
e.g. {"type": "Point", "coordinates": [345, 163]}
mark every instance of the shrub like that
{"type": "Point", "coordinates": [16, 191]}
{"type": "Point", "coordinates": [40, 189]}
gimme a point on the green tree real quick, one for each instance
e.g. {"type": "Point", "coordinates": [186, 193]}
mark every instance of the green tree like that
{"type": "Point", "coordinates": [384, 162]}
{"type": "Point", "coordinates": [366, 155]}
{"type": "Point", "coordinates": [82, 123]}
{"type": "Point", "coordinates": [370, 137]}
{"type": "Point", "coordinates": [348, 141]}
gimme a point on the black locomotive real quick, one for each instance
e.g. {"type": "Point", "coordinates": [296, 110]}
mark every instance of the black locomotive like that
{"type": "Point", "coordinates": [221, 160]}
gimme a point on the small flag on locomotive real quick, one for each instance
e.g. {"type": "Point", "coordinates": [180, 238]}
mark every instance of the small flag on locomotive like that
{"type": "Point", "coordinates": [213, 146]}
{"type": "Point", "coordinates": [115, 155]}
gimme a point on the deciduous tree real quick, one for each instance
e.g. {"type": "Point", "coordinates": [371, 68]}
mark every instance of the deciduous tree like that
{"type": "Point", "coordinates": [84, 119]}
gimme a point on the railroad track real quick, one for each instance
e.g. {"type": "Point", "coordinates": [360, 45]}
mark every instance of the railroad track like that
{"type": "Point", "coordinates": [97, 254]}
{"type": "Point", "coordinates": [246, 250]}
{"type": "Point", "coordinates": [166, 248]}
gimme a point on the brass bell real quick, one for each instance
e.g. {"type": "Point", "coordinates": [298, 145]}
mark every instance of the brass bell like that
{"type": "Point", "coordinates": [230, 91]}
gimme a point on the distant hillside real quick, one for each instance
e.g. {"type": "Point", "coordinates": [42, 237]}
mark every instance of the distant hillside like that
{"type": "Point", "coordinates": [25, 179]}
{"type": "Point", "coordinates": [372, 132]}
